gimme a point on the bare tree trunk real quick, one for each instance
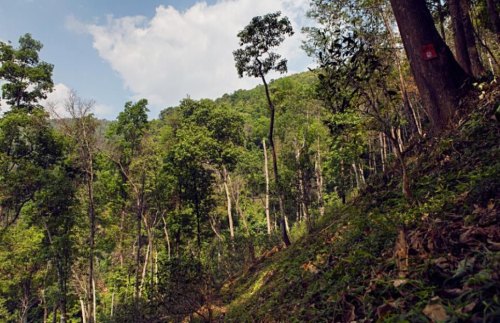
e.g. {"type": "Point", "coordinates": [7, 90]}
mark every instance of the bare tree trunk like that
{"type": "Point", "coordinates": [122, 230]}
{"type": "Point", "coordinates": [404, 173]}
{"type": "Point", "coordinates": [84, 314]}
{"type": "Point", "coordinates": [477, 67]}
{"type": "Point", "coordinates": [302, 193]}
{"type": "Point", "coordinates": [266, 174]}
{"type": "Point", "coordinates": [94, 300]}
{"type": "Point", "coordinates": [439, 78]}
{"type": "Point", "coordinates": [139, 210]}
{"type": "Point", "coordinates": [494, 18]}
{"type": "Point", "coordinates": [284, 234]}
{"type": "Point", "coordinates": [382, 150]}
{"type": "Point", "coordinates": [145, 268]}
{"type": "Point", "coordinates": [461, 52]}
{"type": "Point", "coordinates": [361, 175]}
{"type": "Point", "coordinates": [167, 238]}
{"type": "Point", "coordinates": [228, 197]}
{"type": "Point", "coordinates": [91, 301]}
{"type": "Point", "coordinates": [355, 169]}
{"type": "Point", "coordinates": [319, 181]}
{"type": "Point", "coordinates": [112, 304]}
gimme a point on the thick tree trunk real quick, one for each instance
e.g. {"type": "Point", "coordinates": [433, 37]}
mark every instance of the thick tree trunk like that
{"type": "Point", "coordinates": [438, 76]}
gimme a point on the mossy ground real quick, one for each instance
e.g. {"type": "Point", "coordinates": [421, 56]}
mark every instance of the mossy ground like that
{"type": "Point", "coordinates": [347, 268]}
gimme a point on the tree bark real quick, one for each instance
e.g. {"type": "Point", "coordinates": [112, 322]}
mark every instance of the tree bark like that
{"type": "Point", "coordinates": [461, 52]}
{"type": "Point", "coordinates": [319, 182]}
{"type": "Point", "coordinates": [139, 210]}
{"type": "Point", "coordinates": [494, 18]}
{"type": "Point", "coordinates": [84, 315]}
{"type": "Point", "coordinates": [439, 80]}
{"type": "Point", "coordinates": [266, 174]}
{"type": "Point", "coordinates": [303, 210]}
{"type": "Point", "coordinates": [465, 41]}
{"type": "Point", "coordinates": [167, 238]}
{"type": "Point", "coordinates": [477, 67]}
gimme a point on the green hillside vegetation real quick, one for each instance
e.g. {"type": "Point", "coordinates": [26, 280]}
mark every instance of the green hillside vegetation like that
{"type": "Point", "coordinates": [364, 190]}
{"type": "Point", "coordinates": [356, 265]}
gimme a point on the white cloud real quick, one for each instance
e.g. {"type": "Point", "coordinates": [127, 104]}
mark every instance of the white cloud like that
{"type": "Point", "coordinates": [54, 103]}
{"type": "Point", "coordinates": [175, 53]}
{"type": "Point", "coordinates": [56, 100]}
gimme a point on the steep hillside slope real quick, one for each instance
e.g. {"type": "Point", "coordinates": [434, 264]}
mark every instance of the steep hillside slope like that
{"type": "Point", "coordinates": [383, 258]}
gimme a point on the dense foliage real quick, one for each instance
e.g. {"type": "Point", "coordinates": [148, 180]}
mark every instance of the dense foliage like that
{"type": "Point", "coordinates": [184, 216]}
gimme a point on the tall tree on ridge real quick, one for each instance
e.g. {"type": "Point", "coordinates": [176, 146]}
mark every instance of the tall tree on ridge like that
{"type": "Point", "coordinates": [256, 60]}
{"type": "Point", "coordinates": [28, 79]}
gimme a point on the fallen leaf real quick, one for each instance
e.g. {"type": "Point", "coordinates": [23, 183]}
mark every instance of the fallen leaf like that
{"type": "Point", "coordinates": [385, 309]}
{"type": "Point", "coordinates": [453, 292]}
{"type": "Point", "coordinates": [435, 312]}
{"type": "Point", "coordinates": [469, 307]}
{"type": "Point", "coordinates": [399, 282]}
{"type": "Point", "coordinates": [310, 267]}
{"type": "Point", "coordinates": [495, 246]}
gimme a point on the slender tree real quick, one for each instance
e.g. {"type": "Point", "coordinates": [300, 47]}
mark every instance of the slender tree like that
{"type": "Point", "coordinates": [255, 59]}
{"type": "Point", "coordinates": [82, 131]}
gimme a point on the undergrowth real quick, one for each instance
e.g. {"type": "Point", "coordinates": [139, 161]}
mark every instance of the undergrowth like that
{"type": "Point", "coordinates": [348, 269]}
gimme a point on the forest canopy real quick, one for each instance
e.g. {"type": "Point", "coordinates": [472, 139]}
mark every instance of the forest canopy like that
{"type": "Point", "coordinates": [140, 220]}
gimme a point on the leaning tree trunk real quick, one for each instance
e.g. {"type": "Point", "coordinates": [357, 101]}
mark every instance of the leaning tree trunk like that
{"type": "Point", "coordinates": [437, 74]}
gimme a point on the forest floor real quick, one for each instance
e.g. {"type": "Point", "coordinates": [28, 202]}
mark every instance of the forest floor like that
{"type": "Point", "coordinates": [383, 258]}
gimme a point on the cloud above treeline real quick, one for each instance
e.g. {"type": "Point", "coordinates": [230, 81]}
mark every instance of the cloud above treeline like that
{"type": "Point", "coordinates": [175, 54]}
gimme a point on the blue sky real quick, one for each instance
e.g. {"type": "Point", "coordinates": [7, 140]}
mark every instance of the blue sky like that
{"type": "Point", "coordinates": [114, 51]}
